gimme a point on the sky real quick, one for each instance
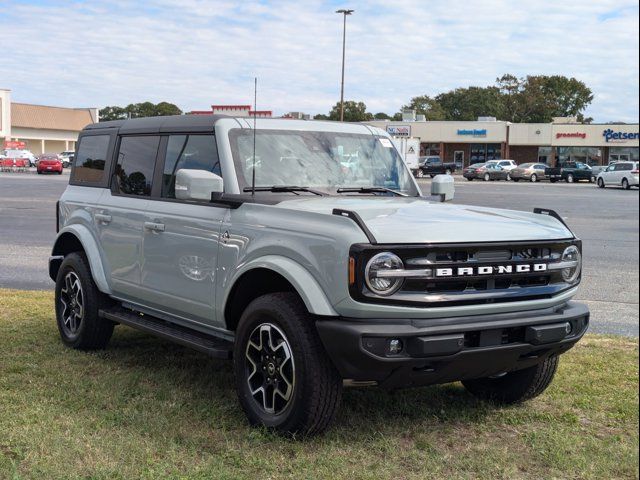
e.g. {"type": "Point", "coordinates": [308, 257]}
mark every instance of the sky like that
{"type": "Point", "coordinates": [196, 53]}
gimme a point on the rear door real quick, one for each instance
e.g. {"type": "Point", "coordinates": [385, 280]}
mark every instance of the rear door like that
{"type": "Point", "coordinates": [180, 238]}
{"type": "Point", "coordinates": [121, 213]}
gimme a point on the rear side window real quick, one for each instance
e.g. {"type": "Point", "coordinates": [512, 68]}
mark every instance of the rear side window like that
{"type": "Point", "coordinates": [136, 164]}
{"type": "Point", "coordinates": [193, 152]}
{"type": "Point", "coordinates": [91, 159]}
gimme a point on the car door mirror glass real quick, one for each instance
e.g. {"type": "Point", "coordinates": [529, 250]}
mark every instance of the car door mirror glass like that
{"type": "Point", "coordinates": [197, 184]}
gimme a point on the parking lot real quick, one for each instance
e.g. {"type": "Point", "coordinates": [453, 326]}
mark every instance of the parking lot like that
{"type": "Point", "coordinates": [606, 221]}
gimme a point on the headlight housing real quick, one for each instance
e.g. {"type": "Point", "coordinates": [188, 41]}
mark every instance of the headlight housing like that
{"type": "Point", "coordinates": [379, 274]}
{"type": "Point", "coordinates": [573, 259]}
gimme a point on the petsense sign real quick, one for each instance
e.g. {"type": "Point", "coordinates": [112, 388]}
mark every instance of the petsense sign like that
{"type": "Point", "coordinates": [612, 136]}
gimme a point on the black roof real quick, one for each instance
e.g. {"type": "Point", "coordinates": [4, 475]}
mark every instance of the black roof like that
{"type": "Point", "coordinates": [174, 123]}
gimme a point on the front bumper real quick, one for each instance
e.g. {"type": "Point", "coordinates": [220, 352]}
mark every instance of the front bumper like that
{"type": "Point", "coordinates": [449, 349]}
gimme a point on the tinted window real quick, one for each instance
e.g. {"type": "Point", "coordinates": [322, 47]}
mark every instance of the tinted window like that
{"type": "Point", "coordinates": [623, 166]}
{"type": "Point", "coordinates": [89, 165]}
{"type": "Point", "coordinates": [136, 162]}
{"type": "Point", "coordinates": [193, 152]}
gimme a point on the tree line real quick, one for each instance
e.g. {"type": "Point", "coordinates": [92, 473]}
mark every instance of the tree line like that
{"type": "Point", "coordinates": [531, 99]}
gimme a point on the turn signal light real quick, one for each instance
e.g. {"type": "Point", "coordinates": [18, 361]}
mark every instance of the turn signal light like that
{"type": "Point", "coordinates": [352, 271]}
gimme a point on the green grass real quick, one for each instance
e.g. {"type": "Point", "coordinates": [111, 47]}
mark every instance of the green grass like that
{"type": "Point", "coordinates": [145, 408]}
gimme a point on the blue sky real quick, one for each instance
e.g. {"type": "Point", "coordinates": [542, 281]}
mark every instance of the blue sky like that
{"type": "Point", "coordinates": [200, 52]}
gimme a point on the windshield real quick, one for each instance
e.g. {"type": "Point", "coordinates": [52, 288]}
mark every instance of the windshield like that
{"type": "Point", "coordinates": [323, 161]}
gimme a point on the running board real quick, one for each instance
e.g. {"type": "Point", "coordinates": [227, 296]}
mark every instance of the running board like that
{"type": "Point", "coordinates": [213, 346]}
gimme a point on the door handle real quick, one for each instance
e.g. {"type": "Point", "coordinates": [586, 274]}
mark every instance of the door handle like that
{"type": "Point", "coordinates": [102, 217]}
{"type": "Point", "coordinates": [154, 227]}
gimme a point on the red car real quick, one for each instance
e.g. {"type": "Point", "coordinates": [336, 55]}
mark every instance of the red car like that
{"type": "Point", "coordinates": [49, 164]}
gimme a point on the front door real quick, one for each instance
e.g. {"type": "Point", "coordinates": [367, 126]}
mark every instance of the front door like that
{"type": "Point", "coordinates": [180, 239]}
{"type": "Point", "coordinates": [458, 158]}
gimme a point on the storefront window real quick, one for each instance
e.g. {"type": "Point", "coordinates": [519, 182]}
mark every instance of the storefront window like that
{"type": "Point", "coordinates": [589, 155]}
{"type": "Point", "coordinates": [623, 154]}
{"type": "Point", "coordinates": [544, 155]}
{"type": "Point", "coordinates": [481, 152]}
{"type": "Point", "coordinates": [429, 149]}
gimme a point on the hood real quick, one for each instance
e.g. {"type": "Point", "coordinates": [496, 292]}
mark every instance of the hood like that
{"type": "Point", "coordinates": [412, 220]}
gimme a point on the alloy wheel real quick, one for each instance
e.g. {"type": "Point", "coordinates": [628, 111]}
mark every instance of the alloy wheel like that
{"type": "Point", "coordinates": [270, 368]}
{"type": "Point", "coordinates": [534, 178]}
{"type": "Point", "coordinates": [72, 301]}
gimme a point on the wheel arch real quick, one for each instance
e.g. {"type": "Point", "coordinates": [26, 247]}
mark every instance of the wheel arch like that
{"type": "Point", "coordinates": [76, 238]}
{"type": "Point", "coordinates": [269, 275]}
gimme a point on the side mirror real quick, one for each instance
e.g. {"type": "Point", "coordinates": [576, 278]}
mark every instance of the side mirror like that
{"type": "Point", "coordinates": [197, 184]}
{"type": "Point", "coordinates": [443, 186]}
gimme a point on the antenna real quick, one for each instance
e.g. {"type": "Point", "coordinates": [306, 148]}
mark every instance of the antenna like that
{"type": "Point", "coordinates": [255, 109]}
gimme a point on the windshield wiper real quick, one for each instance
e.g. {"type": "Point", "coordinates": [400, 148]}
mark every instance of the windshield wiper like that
{"type": "Point", "coordinates": [283, 188]}
{"type": "Point", "coordinates": [371, 190]}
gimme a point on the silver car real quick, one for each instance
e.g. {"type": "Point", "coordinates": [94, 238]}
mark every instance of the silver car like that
{"type": "Point", "coordinates": [621, 174]}
{"type": "Point", "coordinates": [533, 172]}
{"type": "Point", "coordinates": [258, 245]}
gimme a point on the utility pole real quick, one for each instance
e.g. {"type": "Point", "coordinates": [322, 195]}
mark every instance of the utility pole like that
{"type": "Point", "coordinates": [344, 37]}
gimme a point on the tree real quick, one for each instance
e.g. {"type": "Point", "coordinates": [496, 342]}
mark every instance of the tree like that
{"type": "Point", "coordinates": [138, 110]}
{"type": "Point", "coordinates": [427, 106]}
{"type": "Point", "coordinates": [470, 103]}
{"type": "Point", "coordinates": [353, 112]}
{"type": "Point", "coordinates": [381, 116]}
{"type": "Point", "coordinates": [321, 116]}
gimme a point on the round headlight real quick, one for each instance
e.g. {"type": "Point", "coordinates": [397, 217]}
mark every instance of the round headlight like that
{"type": "Point", "coordinates": [375, 277]}
{"type": "Point", "coordinates": [572, 255]}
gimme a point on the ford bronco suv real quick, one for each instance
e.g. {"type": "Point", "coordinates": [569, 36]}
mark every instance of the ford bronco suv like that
{"type": "Point", "coordinates": [256, 244]}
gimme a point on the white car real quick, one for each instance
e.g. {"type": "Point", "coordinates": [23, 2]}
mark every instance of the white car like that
{"type": "Point", "coordinates": [67, 157]}
{"type": "Point", "coordinates": [623, 174]}
{"type": "Point", "coordinates": [506, 165]}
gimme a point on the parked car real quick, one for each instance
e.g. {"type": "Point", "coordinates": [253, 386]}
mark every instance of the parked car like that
{"type": "Point", "coordinates": [307, 280]}
{"type": "Point", "coordinates": [26, 154]}
{"type": "Point", "coordinates": [67, 158]}
{"type": "Point", "coordinates": [508, 166]}
{"type": "Point", "coordinates": [492, 171]}
{"type": "Point", "coordinates": [433, 165]}
{"type": "Point", "coordinates": [570, 172]}
{"type": "Point", "coordinates": [624, 174]}
{"type": "Point", "coordinates": [49, 163]}
{"type": "Point", "coordinates": [473, 172]}
{"type": "Point", "coordinates": [534, 172]}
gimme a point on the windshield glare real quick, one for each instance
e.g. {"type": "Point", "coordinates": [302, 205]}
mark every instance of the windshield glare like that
{"type": "Point", "coordinates": [323, 161]}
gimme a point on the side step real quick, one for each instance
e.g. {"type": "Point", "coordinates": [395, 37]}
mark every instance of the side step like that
{"type": "Point", "coordinates": [213, 346]}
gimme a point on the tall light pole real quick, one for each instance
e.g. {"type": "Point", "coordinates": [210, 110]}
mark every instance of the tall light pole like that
{"type": "Point", "coordinates": [344, 37]}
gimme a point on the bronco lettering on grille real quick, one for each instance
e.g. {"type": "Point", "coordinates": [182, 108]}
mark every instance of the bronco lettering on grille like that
{"type": "Point", "coordinates": [491, 270]}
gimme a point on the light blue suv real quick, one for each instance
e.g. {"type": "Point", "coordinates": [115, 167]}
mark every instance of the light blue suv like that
{"type": "Point", "coordinates": [306, 252]}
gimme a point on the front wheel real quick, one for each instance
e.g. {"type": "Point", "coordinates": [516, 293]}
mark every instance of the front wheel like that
{"type": "Point", "coordinates": [78, 302]}
{"type": "Point", "coordinates": [470, 179]}
{"type": "Point", "coordinates": [419, 173]}
{"type": "Point", "coordinates": [284, 378]}
{"type": "Point", "coordinates": [515, 180]}
{"type": "Point", "coordinates": [601, 183]}
{"type": "Point", "coordinates": [515, 387]}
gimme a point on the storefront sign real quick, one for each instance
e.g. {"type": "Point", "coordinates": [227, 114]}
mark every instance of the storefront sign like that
{"type": "Point", "coordinates": [474, 132]}
{"type": "Point", "coordinates": [399, 130]}
{"type": "Point", "coordinates": [14, 145]}
{"type": "Point", "coordinates": [619, 137]}
{"type": "Point", "coordinates": [571, 135]}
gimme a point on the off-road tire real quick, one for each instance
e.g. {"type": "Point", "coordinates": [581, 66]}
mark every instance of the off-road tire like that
{"type": "Point", "coordinates": [93, 332]}
{"type": "Point", "coordinates": [515, 387]}
{"type": "Point", "coordinates": [318, 385]}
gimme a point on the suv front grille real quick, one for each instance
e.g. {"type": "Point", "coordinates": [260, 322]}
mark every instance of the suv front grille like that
{"type": "Point", "coordinates": [470, 288]}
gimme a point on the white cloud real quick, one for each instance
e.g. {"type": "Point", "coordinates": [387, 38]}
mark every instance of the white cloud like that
{"type": "Point", "coordinates": [196, 52]}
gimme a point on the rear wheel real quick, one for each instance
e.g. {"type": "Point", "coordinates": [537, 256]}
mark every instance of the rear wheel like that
{"type": "Point", "coordinates": [487, 177]}
{"type": "Point", "coordinates": [78, 301]}
{"type": "Point", "coordinates": [601, 183]}
{"type": "Point", "coordinates": [534, 178]}
{"type": "Point", "coordinates": [625, 184]}
{"type": "Point", "coordinates": [284, 379]}
{"type": "Point", "coordinates": [515, 387]}
{"type": "Point", "coordinates": [470, 179]}
{"type": "Point", "coordinates": [508, 177]}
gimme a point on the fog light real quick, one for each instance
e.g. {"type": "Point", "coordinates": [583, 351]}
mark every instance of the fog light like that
{"type": "Point", "coordinates": [568, 328]}
{"type": "Point", "coordinates": [395, 346]}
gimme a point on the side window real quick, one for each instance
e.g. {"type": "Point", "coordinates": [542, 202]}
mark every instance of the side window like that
{"type": "Point", "coordinates": [136, 162]}
{"type": "Point", "coordinates": [89, 165]}
{"type": "Point", "coordinates": [193, 152]}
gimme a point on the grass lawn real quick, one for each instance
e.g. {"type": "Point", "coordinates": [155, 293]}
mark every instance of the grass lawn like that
{"type": "Point", "coordinates": [145, 408]}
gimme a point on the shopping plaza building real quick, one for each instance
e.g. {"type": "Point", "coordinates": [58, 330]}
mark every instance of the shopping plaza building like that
{"type": "Point", "coordinates": [40, 128]}
{"type": "Point", "coordinates": [564, 139]}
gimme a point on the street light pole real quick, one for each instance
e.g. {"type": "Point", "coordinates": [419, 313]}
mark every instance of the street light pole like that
{"type": "Point", "coordinates": [344, 37]}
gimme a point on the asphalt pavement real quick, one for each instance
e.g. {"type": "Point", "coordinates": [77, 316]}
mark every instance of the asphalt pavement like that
{"type": "Point", "coordinates": [606, 220]}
